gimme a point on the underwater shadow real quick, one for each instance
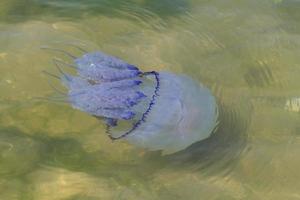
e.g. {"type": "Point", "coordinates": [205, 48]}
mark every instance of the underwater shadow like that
{"type": "Point", "coordinates": [222, 150]}
{"type": "Point", "coordinates": [20, 154]}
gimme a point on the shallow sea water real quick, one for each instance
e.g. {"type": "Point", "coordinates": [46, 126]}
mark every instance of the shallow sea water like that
{"type": "Point", "coordinates": [246, 52]}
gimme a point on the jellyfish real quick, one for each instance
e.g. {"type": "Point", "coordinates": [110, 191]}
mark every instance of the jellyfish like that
{"type": "Point", "coordinates": [152, 110]}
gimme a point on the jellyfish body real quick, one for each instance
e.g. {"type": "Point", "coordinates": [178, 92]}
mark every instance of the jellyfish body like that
{"type": "Point", "coordinates": [152, 110]}
{"type": "Point", "coordinates": [184, 113]}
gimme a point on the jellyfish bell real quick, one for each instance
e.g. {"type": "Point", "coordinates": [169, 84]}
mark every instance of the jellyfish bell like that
{"type": "Point", "coordinates": [152, 110]}
{"type": "Point", "coordinates": [183, 113]}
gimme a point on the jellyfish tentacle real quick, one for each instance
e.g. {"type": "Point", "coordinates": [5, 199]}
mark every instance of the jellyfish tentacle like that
{"type": "Point", "coordinates": [123, 98]}
{"type": "Point", "coordinates": [58, 61]}
{"type": "Point", "coordinates": [52, 99]}
{"type": "Point", "coordinates": [74, 82]}
{"type": "Point", "coordinates": [126, 83]}
{"type": "Point", "coordinates": [50, 74]}
{"type": "Point", "coordinates": [56, 89]}
{"type": "Point", "coordinates": [92, 97]}
{"type": "Point", "coordinates": [98, 66]}
{"type": "Point", "coordinates": [103, 60]}
{"type": "Point", "coordinates": [58, 50]}
{"type": "Point", "coordinates": [105, 74]}
{"type": "Point", "coordinates": [66, 76]}
{"type": "Point", "coordinates": [107, 87]}
{"type": "Point", "coordinates": [113, 113]}
{"type": "Point", "coordinates": [77, 47]}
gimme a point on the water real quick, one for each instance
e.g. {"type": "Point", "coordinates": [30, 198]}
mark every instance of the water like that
{"type": "Point", "coordinates": [246, 52]}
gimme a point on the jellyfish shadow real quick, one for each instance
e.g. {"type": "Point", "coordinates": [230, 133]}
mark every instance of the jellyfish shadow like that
{"type": "Point", "coordinates": [16, 148]}
{"type": "Point", "coordinates": [222, 150]}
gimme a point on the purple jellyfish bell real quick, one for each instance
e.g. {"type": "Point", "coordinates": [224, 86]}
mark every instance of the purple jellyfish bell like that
{"type": "Point", "coordinates": [152, 110]}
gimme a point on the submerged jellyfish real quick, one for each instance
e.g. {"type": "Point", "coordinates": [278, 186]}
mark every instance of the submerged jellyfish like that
{"type": "Point", "coordinates": [153, 110]}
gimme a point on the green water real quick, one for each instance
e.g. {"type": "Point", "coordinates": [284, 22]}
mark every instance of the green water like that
{"type": "Point", "coordinates": [247, 52]}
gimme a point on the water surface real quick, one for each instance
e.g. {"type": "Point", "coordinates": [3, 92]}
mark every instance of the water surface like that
{"type": "Point", "coordinates": [246, 52]}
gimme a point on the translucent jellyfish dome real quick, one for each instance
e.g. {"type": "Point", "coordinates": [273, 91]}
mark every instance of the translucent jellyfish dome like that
{"type": "Point", "coordinates": [152, 110]}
